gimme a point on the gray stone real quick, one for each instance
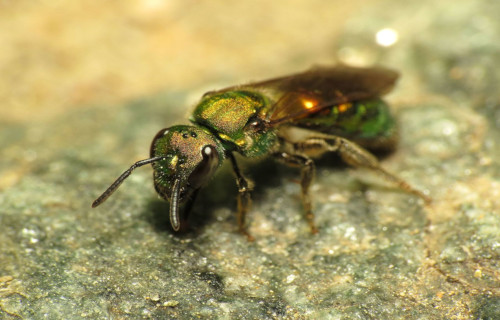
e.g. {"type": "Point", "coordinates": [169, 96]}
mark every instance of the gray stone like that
{"type": "Point", "coordinates": [380, 253]}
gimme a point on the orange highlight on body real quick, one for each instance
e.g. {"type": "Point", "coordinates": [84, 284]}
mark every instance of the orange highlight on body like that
{"type": "Point", "coordinates": [309, 104]}
{"type": "Point", "coordinates": [343, 107]}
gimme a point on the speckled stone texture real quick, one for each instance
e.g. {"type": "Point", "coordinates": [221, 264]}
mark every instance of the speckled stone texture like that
{"type": "Point", "coordinates": [86, 87]}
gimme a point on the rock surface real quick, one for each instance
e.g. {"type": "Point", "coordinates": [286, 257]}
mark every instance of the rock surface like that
{"type": "Point", "coordinates": [87, 87]}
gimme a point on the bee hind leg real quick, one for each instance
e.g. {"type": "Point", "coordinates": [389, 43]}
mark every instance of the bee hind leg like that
{"type": "Point", "coordinates": [354, 155]}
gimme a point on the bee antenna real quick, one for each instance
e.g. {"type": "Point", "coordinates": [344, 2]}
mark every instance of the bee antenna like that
{"type": "Point", "coordinates": [174, 205]}
{"type": "Point", "coordinates": [109, 191]}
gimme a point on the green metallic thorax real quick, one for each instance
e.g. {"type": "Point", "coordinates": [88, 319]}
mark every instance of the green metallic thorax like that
{"type": "Point", "coordinates": [237, 119]}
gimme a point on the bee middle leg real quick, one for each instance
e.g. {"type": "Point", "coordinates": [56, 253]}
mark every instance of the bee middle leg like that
{"type": "Point", "coordinates": [354, 155]}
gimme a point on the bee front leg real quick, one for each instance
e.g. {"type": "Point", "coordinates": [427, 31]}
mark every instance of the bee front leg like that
{"type": "Point", "coordinates": [244, 198]}
{"type": "Point", "coordinates": [184, 223]}
{"type": "Point", "coordinates": [307, 174]}
{"type": "Point", "coordinates": [356, 156]}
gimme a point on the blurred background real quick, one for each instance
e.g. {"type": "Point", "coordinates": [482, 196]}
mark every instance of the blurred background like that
{"type": "Point", "coordinates": [59, 55]}
{"type": "Point", "coordinates": [85, 85]}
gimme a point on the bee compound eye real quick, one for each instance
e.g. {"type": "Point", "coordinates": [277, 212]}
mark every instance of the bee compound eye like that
{"type": "Point", "coordinates": [206, 168]}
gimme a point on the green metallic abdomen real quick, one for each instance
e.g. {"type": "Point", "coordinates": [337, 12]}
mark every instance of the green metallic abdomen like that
{"type": "Point", "coordinates": [368, 122]}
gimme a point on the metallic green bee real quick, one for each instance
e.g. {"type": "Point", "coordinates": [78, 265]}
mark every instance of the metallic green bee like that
{"type": "Point", "coordinates": [340, 108]}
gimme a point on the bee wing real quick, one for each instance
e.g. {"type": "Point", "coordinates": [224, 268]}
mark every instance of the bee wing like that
{"type": "Point", "coordinates": [299, 95]}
